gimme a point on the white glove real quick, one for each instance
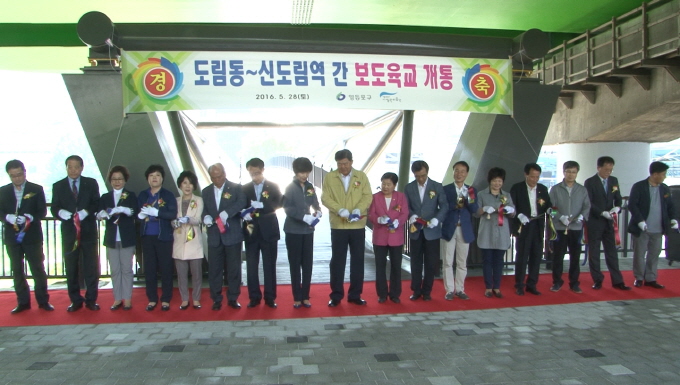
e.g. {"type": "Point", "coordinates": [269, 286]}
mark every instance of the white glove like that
{"type": "Point", "coordinates": [395, 223]}
{"type": "Point", "coordinates": [224, 216]}
{"type": "Point", "coordinates": [643, 226]}
{"type": "Point", "coordinates": [344, 213]}
{"type": "Point", "coordinates": [183, 220]}
{"type": "Point", "coordinates": [125, 210]}
{"type": "Point", "coordinates": [64, 215]}
{"type": "Point", "coordinates": [115, 210]}
{"type": "Point", "coordinates": [29, 216]}
{"type": "Point", "coordinates": [142, 214]}
{"type": "Point", "coordinates": [383, 220]}
{"type": "Point", "coordinates": [151, 211]}
{"type": "Point", "coordinates": [565, 220]}
{"type": "Point", "coordinates": [11, 219]}
{"type": "Point", "coordinates": [21, 220]}
{"type": "Point", "coordinates": [256, 204]}
{"type": "Point", "coordinates": [247, 217]}
{"type": "Point", "coordinates": [509, 209]}
{"type": "Point", "coordinates": [607, 215]}
{"type": "Point", "coordinates": [318, 214]}
{"type": "Point", "coordinates": [489, 209]}
{"type": "Point", "coordinates": [434, 222]}
{"type": "Point", "coordinates": [208, 220]}
{"type": "Point", "coordinates": [615, 210]}
{"type": "Point", "coordinates": [674, 223]}
{"type": "Point", "coordinates": [523, 218]}
{"type": "Point", "coordinates": [308, 219]}
{"type": "Point", "coordinates": [103, 214]}
{"type": "Point", "coordinates": [82, 214]}
{"type": "Point", "coordinates": [412, 219]}
{"type": "Point", "coordinates": [356, 212]}
{"type": "Point", "coordinates": [579, 219]}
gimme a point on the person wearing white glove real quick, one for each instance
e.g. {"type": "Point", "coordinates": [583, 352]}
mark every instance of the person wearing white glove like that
{"type": "Point", "coordinates": [383, 220]}
{"type": "Point", "coordinates": [102, 214]}
{"type": "Point", "coordinates": [523, 218]}
{"type": "Point", "coordinates": [428, 200]}
{"type": "Point", "coordinates": [615, 210]}
{"type": "Point", "coordinates": [208, 220]}
{"type": "Point", "coordinates": [150, 211]}
{"type": "Point", "coordinates": [651, 216]}
{"type": "Point", "coordinates": [308, 219]}
{"type": "Point", "coordinates": [75, 197]}
{"type": "Point", "coordinates": [344, 213]}
{"type": "Point", "coordinates": [570, 200]}
{"type": "Point", "coordinates": [489, 209]}
{"type": "Point", "coordinates": [412, 219]}
{"type": "Point", "coordinates": [508, 210]}
{"type": "Point", "coordinates": [607, 215]}
{"type": "Point", "coordinates": [256, 204]}
{"type": "Point", "coordinates": [31, 206]}
{"type": "Point", "coordinates": [674, 224]}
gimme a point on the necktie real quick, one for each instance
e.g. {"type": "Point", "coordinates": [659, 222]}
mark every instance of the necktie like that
{"type": "Point", "coordinates": [604, 183]}
{"type": "Point", "coordinates": [74, 191]}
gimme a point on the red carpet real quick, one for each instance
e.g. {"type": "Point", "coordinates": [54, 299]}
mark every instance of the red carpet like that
{"type": "Point", "coordinates": [474, 287]}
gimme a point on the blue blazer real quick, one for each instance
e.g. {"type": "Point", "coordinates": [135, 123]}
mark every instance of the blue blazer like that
{"type": "Point", "coordinates": [638, 205]}
{"type": "Point", "coordinates": [434, 205]}
{"type": "Point", "coordinates": [455, 213]}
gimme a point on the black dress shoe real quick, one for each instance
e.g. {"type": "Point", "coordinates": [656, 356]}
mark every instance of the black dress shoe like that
{"type": "Point", "coordinates": [234, 304]}
{"type": "Point", "coordinates": [654, 284]}
{"type": "Point", "coordinates": [184, 307]}
{"type": "Point", "coordinates": [253, 303]}
{"type": "Point", "coordinates": [165, 307]}
{"type": "Point", "coordinates": [395, 299]}
{"type": "Point", "coordinates": [197, 306]}
{"type": "Point", "coordinates": [533, 291]}
{"type": "Point", "coordinates": [270, 303]}
{"type": "Point", "coordinates": [622, 286]}
{"type": "Point", "coordinates": [598, 285]}
{"type": "Point", "coordinates": [21, 308]}
{"type": "Point", "coordinates": [427, 297]}
{"type": "Point", "coordinates": [116, 306]}
{"type": "Point", "coordinates": [73, 307]}
{"type": "Point", "coordinates": [414, 297]}
{"type": "Point", "coordinates": [217, 306]}
{"type": "Point", "coordinates": [519, 291]}
{"type": "Point", "coordinates": [637, 283]}
{"type": "Point", "coordinates": [357, 301]}
{"type": "Point", "coordinates": [46, 306]}
{"type": "Point", "coordinates": [126, 308]}
{"type": "Point", "coordinates": [92, 306]}
{"type": "Point", "coordinates": [333, 303]}
{"type": "Point", "coordinates": [150, 307]}
{"type": "Point", "coordinates": [382, 299]}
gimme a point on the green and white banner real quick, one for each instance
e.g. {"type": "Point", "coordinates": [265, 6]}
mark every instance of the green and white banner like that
{"type": "Point", "coordinates": [171, 81]}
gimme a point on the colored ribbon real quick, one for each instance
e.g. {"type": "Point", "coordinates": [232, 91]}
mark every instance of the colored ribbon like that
{"type": "Point", "coordinates": [617, 236]}
{"type": "Point", "coordinates": [24, 229]}
{"type": "Point", "coordinates": [390, 226]}
{"type": "Point", "coordinates": [584, 240]}
{"type": "Point", "coordinates": [221, 226]}
{"type": "Point", "coordinates": [418, 225]}
{"type": "Point", "coordinates": [76, 222]}
{"type": "Point", "coordinates": [355, 218]}
{"type": "Point", "coordinates": [500, 215]}
{"type": "Point", "coordinates": [190, 234]}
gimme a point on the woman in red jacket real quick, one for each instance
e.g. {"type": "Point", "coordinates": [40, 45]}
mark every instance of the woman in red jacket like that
{"type": "Point", "coordinates": [388, 213]}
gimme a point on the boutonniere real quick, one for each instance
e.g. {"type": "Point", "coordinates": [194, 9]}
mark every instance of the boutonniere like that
{"type": "Point", "coordinates": [192, 204]}
{"type": "Point", "coordinates": [161, 202]}
{"type": "Point", "coordinates": [397, 208]}
{"type": "Point", "coordinates": [665, 196]}
{"type": "Point", "coordinates": [226, 195]}
{"type": "Point", "coordinates": [432, 194]}
{"type": "Point", "coordinates": [615, 189]}
{"type": "Point", "coordinates": [504, 199]}
{"type": "Point", "coordinates": [541, 202]}
{"type": "Point", "coordinates": [123, 196]}
{"type": "Point", "coordinates": [28, 196]}
{"type": "Point", "coordinates": [357, 184]}
{"type": "Point", "coordinates": [310, 192]}
{"type": "Point", "coordinates": [265, 194]}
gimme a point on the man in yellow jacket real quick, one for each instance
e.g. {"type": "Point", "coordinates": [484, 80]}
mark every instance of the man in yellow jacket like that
{"type": "Point", "coordinates": [347, 195]}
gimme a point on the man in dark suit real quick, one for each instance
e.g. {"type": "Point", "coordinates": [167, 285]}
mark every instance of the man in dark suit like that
{"type": "Point", "coordinates": [222, 204]}
{"type": "Point", "coordinates": [75, 200]}
{"type": "Point", "coordinates": [605, 205]}
{"type": "Point", "coordinates": [22, 208]}
{"type": "Point", "coordinates": [428, 207]}
{"type": "Point", "coordinates": [261, 233]}
{"type": "Point", "coordinates": [651, 216]}
{"type": "Point", "coordinates": [532, 201]}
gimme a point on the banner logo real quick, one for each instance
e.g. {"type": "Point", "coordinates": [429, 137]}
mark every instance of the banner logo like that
{"type": "Point", "coordinates": [480, 83]}
{"type": "Point", "coordinates": [160, 79]}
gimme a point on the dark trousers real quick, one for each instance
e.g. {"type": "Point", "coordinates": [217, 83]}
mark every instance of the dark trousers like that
{"type": "Point", "coordinates": [611, 257]}
{"type": "Point", "coordinates": [89, 272]}
{"type": "Point", "coordinates": [529, 248]}
{"type": "Point", "coordinates": [300, 258]}
{"type": "Point", "coordinates": [219, 258]}
{"type": "Point", "coordinates": [572, 241]}
{"type": "Point", "coordinates": [157, 256]}
{"type": "Point", "coordinates": [425, 254]}
{"type": "Point", "coordinates": [269, 251]}
{"type": "Point", "coordinates": [340, 241]}
{"type": "Point", "coordinates": [381, 288]}
{"type": "Point", "coordinates": [492, 267]}
{"type": "Point", "coordinates": [33, 253]}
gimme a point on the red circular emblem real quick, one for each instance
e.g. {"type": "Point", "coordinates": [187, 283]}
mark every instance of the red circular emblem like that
{"type": "Point", "coordinates": [482, 86]}
{"type": "Point", "coordinates": [159, 82]}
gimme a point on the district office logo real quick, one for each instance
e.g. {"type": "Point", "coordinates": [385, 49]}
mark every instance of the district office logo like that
{"type": "Point", "coordinates": [387, 94]}
{"type": "Point", "coordinates": [481, 84]}
{"type": "Point", "coordinates": [340, 96]}
{"type": "Point", "coordinates": [159, 78]}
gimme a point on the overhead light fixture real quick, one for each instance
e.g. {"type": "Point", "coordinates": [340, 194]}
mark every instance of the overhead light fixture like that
{"type": "Point", "coordinates": [302, 12]}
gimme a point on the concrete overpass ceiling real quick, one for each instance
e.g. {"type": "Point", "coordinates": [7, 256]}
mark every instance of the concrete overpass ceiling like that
{"type": "Point", "coordinates": [40, 24]}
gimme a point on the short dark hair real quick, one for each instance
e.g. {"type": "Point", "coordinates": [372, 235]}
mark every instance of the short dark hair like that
{"type": "Point", "coordinates": [193, 179]}
{"type": "Point", "coordinates": [601, 161]}
{"type": "Point", "coordinates": [302, 165]}
{"type": "Point", "coordinates": [495, 172]}
{"type": "Point", "coordinates": [571, 164]}
{"type": "Point", "coordinates": [343, 154]}
{"type": "Point", "coordinates": [655, 167]}
{"type": "Point", "coordinates": [463, 163]}
{"type": "Point", "coordinates": [255, 162]}
{"type": "Point", "coordinates": [15, 163]}
{"type": "Point", "coordinates": [391, 176]}
{"type": "Point", "coordinates": [74, 157]}
{"type": "Point", "coordinates": [531, 166]}
{"type": "Point", "coordinates": [154, 168]}
{"type": "Point", "coordinates": [121, 169]}
{"type": "Point", "coordinates": [419, 165]}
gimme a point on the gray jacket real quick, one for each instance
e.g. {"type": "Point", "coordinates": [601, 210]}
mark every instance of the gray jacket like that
{"type": "Point", "coordinates": [297, 201]}
{"type": "Point", "coordinates": [572, 205]}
